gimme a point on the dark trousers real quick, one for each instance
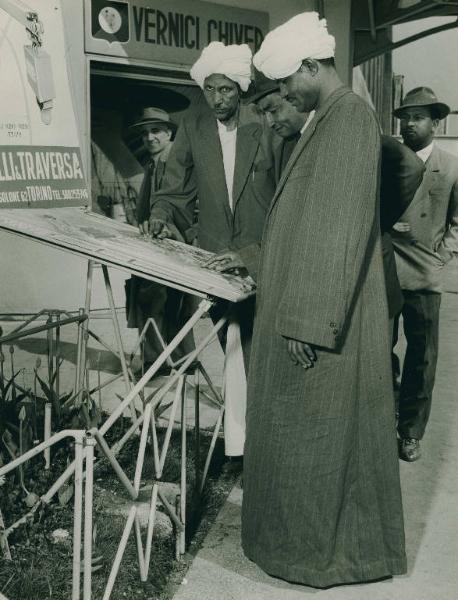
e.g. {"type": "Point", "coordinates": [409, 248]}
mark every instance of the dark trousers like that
{"type": "Point", "coordinates": [170, 309]}
{"type": "Point", "coordinates": [421, 328]}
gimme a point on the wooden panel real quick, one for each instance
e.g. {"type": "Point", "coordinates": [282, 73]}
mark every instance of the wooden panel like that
{"type": "Point", "coordinates": [119, 245]}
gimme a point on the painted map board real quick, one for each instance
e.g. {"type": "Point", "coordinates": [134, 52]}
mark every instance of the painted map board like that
{"type": "Point", "coordinates": [116, 244]}
{"type": "Point", "coordinates": [40, 159]}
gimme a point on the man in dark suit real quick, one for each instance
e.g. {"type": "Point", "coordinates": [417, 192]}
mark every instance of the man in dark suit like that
{"type": "Point", "coordinates": [147, 299]}
{"type": "Point", "coordinates": [425, 240]}
{"type": "Point", "coordinates": [222, 155]}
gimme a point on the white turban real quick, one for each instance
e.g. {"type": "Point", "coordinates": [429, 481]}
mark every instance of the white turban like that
{"type": "Point", "coordinates": [284, 48]}
{"type": "Point", "coordinates": [232, 61]}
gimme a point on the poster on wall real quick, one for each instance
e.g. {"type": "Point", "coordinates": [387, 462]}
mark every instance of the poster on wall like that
{"type": "Point", "coordinates": [173, 32]}
{"type": "Point", "coordinates": [40, 158]}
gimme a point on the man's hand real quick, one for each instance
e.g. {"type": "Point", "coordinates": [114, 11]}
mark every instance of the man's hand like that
{"type": "Point", "coordinates": [228, 260]}
{"type": "Point", "coordinates": [301, 353]}
{"type": "Point", "coordinates": [159, 229]}
{"type": "Point", "coordinates": [401, 227]}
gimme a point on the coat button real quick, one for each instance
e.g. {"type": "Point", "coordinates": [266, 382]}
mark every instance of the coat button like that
{"type": "Point", "coordinates": [423, 215]}
{"type": "Point", "coordinates": [335, 332]}
{"type": "Point", "coordinates": [332, 324]}
{"type": "Point", "coordinates": [413, 243]}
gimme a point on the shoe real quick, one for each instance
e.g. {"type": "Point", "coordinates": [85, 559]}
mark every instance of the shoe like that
{"type": "Point", "coordinates": [409, 449]}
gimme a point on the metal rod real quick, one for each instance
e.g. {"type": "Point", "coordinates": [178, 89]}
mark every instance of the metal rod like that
{"type": "Point", "coordinates": [150, 532]}
{"type": "Point", "coordinates": [218, 398]}
{"type": "Point", "coordinates": [142, 447]}
{"type": "Point", "coordinates": [168, 433]}
{"type": "Point", "coordinates": [103, 343]}
{"type": "Point", "coordinates": [11, 337]}
{"type": "Point", "coordinates": [47, 434]}
{"type": "Point", "coordinates": [117, 330]}
{"type": "Point", "coordinates": [120, 552]}
{"type": "Point", "coordinates": [141, 557]}
{"type": "Point", "coordinates": [197, 430]}
{"type": "Point", "coordinates": [114, 463]}
{"type": "Point", "coordinates": [85, 327]}
{"type": "Point", "coordinates": [79, 342]}
{"type": "Point", "coordinates": [4, 546]}
{"type": "Point", "coordinates": [157, 464]}
{"type": "Point", "coordinates": [169, 508]}
{"type": "Point", "coordinates": [57, 357]}
{"type": "Point", "coordinates": [77, 520]}
{"type": "Point", "coordinates": [212, 448]}
{"type": "Point", "coordinates": [183, 467]}
{"type": "Point", "coordinates": [57, 437]}
{"type": "Point", "coordinates": [88, 504]}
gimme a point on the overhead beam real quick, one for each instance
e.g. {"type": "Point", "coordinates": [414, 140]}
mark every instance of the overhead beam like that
{"type": "Point", "coordinates": [388, 45]}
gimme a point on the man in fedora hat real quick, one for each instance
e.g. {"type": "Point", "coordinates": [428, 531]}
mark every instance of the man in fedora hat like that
{"type": "Point", "coordinates": [425, 239]}
{"type": "Point", "coordinates": [147, 299]}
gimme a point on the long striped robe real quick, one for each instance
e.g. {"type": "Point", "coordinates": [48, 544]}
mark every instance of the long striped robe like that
{"type": "Point", "coordinates": [322, 502]}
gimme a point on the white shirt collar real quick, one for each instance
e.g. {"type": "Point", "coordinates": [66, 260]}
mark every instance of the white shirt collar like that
{"type": "Point", "coordinates": [306, 124]}
{"type": "Point", "coordinates": [425, 153]}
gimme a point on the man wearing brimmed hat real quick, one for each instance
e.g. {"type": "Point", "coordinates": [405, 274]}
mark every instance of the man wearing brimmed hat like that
{"type": "Point", "coordinates": [147, 299]}
{"type": "Point", "coordinates": [223, 155]}
{"type": "Point", "coordinates": [425, 239]}
{"type": "Point", "coordinates": [322, 501]}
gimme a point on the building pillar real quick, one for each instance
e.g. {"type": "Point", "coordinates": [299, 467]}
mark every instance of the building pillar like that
{"type": "Point", "coordinates": [338, 16]}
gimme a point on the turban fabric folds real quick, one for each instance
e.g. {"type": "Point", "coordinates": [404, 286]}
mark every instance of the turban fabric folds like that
{"type": "Point", "coordinates": [233, 61]}
{"type": "Point", "coordinates": [284, 48]}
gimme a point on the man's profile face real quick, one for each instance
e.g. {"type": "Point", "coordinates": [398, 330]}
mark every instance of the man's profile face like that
{"type": "Point", "coordinates": [281, 115]}
{"type": "Point", "coordinates": [156, 137]}
{"type": "Point", "coordinates": [417, 127]}
{"type": "Point", "coordinates": [222, 95]}
{"type": "Point", "coordinates": [301, 89]}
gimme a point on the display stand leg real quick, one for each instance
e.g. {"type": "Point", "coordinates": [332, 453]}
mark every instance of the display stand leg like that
{"type": "Point", "coordinates": [81, 366]}
{"type": "Point", "coordinates": [183, 468]}
{"type": "Point", "coordinates": [77, 519]}
{"type": "Point", "coordinates": [117, 329]}
{"type": "Point", "coordinates": [88, 503]}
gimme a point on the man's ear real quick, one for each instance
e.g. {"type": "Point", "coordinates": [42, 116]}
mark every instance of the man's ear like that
{"type": "Point", "coordinates": [436, 123]}
{"type": "Point", "coordinates": [310, 66]}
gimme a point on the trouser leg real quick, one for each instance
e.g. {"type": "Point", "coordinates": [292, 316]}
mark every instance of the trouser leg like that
{"type": "Point", "coordinates": [421, 328]}
{"type": "Point", "coordinates": [236, 367]}
{"type": "Point", "coordinates": [151, 301]}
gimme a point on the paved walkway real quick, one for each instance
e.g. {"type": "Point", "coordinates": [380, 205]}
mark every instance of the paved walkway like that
{"type": "Point", "coordinates": [430, 492]}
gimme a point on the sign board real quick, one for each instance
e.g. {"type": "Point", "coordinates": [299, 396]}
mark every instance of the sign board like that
{"type": "Point", "coordinates": [40, 159]}
{"type": "Point", "coordinates": [173, 32]}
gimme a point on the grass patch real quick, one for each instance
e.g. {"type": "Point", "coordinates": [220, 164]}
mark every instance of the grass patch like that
{"type": "Point", "coordinates": [41, 569]}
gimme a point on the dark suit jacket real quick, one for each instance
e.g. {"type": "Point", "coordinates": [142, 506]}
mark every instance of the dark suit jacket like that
{"type": "Point", "coordinates": [401, 175]}
{"type": "Point", "coordinates": [195, 169]}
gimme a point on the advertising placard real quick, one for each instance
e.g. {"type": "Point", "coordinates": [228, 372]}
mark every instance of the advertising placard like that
{"type": "Point", "coordinates": [40, 159]}
{"type": "Point", "coordinates": [173, 32]}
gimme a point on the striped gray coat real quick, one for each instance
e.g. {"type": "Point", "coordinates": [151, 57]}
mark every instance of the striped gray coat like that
{"type": "Point", "coordinates": [322, 502]}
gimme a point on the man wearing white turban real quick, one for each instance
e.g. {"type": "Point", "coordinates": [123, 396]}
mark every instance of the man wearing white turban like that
{"type": "Point", "coordinates": [222, 156]}
{"type": "Point", "coordinates": [322, 501]}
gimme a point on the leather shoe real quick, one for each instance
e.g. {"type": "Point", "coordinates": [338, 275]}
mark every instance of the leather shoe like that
{"type": "Point", "coordinates": [409, 449]}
